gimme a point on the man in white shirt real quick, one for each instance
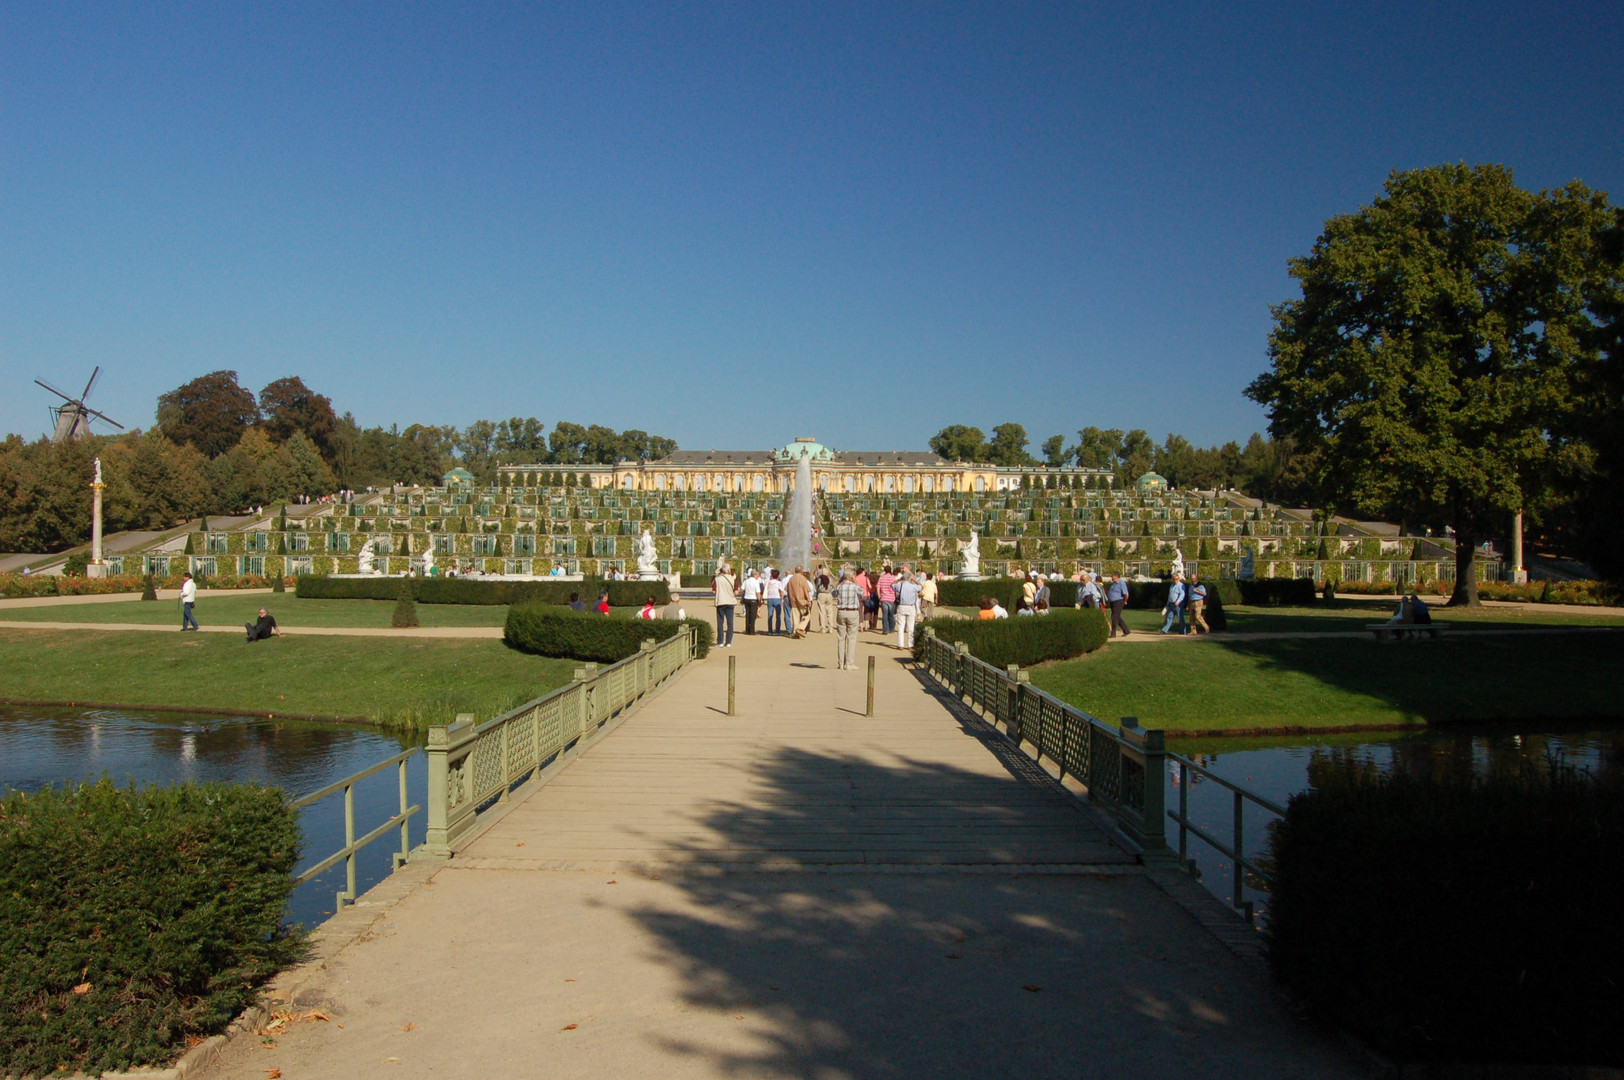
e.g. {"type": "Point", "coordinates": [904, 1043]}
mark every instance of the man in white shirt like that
{"type": "Point", "coordinates": [751, 592]}
{"type": "Point", "coordinates": [188, 598]}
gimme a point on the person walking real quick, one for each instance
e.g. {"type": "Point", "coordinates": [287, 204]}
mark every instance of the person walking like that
{"type": "Point", "coordinates": [927, 597]}
{"type": "Point", "coordinates": [908, 591]}
{"type": "Point", "coordinates": [886, 589]}
{"type": "Point", "coordinates": [188, 600]}
{"type": "Point", "coordinates": [774, 588]}
{"type": "Point", "coordinates": [1116, 594]}
{"type": "Point", "coordinates": [825, 601]}
{"type": "Point", "coordinates": [752, 601]}
{"type": "Point", "coordinates": [848, 610]}
{"type": "Point", "coordinates": [1088, 593]}
{"type": "Point", "coordinates": [1197, 603]}
{"type": "Point", "coordinates": [726, 596]}
{"type": "Point", "coordinates": [798, 599]}
{"type": "Point", "coordinates": [1175, 605]}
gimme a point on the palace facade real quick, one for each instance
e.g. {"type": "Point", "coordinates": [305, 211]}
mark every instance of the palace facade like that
{"type": "Point", "coordinates": [852, 472]}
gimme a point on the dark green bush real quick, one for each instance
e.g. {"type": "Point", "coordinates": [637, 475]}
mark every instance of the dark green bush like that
{"type": "Point", "coordinates": [548, 630]}
{"type": "Point", "coordinates": [958, 593]}
{"type": "Point", "coordinates": [1277, 592]}
{"type": "Point", "coordinates": [131, 918]}
{"type": "Point", "coordinates": [442, 590]}
{"type": "Point", "coordinates": [1024, 641]}
{"type": "Point", "coordinates": [1456, 920]}
{"type": "Point", "coordinates": [149, 590]}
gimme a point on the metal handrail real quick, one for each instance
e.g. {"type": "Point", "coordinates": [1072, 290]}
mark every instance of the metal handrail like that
{"type": "Point", "coordinates": [471, 765]}
{"type": "Point", "coordinates": [1124, 768]}
{"type": "Point", "coordinates": [351, 844]}
{"type": "Point", "coordinates": [1236, 851]}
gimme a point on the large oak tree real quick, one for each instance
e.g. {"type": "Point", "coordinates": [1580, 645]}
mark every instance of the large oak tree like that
{"type": "Point", "coordinates": [211, 412]}
{"type": "Point", "coordinates": [1440, 338]}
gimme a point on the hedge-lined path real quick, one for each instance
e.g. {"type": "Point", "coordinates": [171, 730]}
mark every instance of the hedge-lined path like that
{"type": "Point", "coordinates": [796, 890]}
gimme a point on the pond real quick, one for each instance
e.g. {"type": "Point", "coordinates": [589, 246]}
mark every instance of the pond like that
{"type": "Point", "coordinates": [40, 746]}
{"type": "Point", "coordinates": [1278, 768]}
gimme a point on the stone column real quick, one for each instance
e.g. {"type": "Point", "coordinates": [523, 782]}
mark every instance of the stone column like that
{"type": "Point", "coordinates": [96, 568]}
{"type": "Point", "coordinates": [1518, 574]}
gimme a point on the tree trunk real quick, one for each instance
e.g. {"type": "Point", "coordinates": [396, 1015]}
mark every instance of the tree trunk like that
{"type": "Point", "coordinates": [1465, 594]}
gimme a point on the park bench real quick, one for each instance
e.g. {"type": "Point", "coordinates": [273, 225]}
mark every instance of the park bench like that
{"type": "Point", "coordinates": [1407, 631]}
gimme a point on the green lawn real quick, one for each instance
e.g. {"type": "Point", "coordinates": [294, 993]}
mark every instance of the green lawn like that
{"type": "Point", "coordinates": [396, 682]}
{"type": "Point", "coordinates": [290, 611]}
{"type": "Point", "coordinates": [1323, 684]}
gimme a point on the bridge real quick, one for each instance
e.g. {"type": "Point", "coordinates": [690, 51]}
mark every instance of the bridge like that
{"type": "Point", "coordinates": [796, 889]}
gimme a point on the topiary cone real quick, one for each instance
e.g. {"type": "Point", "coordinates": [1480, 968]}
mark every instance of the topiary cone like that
{"type": "Point", "coordinates": [151, 590]}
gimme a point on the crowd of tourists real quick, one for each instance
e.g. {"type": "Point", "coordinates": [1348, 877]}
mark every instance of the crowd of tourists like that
{"type": "Point", "coordinates": [799, 602]}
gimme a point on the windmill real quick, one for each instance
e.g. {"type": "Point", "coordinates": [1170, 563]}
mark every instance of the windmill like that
{"type": "Point", "coordinates": [73, 416]}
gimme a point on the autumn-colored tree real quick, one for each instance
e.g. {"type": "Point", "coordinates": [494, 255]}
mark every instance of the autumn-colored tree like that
{"type": "Point", "coordinates": [211, 412]}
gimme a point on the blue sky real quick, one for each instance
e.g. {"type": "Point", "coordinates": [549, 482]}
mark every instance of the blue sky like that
{"type": "Point", "coordinates": [736, 223]}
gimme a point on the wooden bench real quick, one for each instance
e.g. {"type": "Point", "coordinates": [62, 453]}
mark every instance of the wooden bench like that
{"type": "Point", "coordinates": [1407, 631]}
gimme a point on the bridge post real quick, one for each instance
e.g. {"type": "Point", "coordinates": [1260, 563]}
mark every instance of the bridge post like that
{"type": "Point", "coordinates": [442, 739]}
{"type": "Point", "coordinates": [961, 658]}
{"type": "Point", "coordinates": [645, 666]}
{"type": "Point", "coordinates": [1142, 799]}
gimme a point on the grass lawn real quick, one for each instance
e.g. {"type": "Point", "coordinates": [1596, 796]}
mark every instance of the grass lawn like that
{"type": "Point", "coordinates": [1323, 684]}
{"type": "Point", "coordinates": [290, 611]}
{"type": "Point", "coordinates": [394, 682]}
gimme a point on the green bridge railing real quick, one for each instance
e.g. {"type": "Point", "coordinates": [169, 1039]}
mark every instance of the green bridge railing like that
{"type": "Point", "coordinates": [1123, 769]}
{"type": "Point", "coordinates": [473, 766]}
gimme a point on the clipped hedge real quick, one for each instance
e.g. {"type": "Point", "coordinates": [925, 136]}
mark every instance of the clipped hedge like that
{"type": "Point", "coordinates": [1453, 920]}
{"type": "Point", "coordinates": [1062, 635]}
{"type": "Point", "coordinates": [547, 630]}
{"type": "Point", "coordinates": [960, 593]}
{"type": "Point", "coordinates": [443, 590]}
{"type": "Point", "coordinates": [134, 917]}
{"type": "Point", "coordinates": [1278, 592]}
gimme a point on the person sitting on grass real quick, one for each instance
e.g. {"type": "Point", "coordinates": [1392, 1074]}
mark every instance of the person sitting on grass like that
{"type": "Point", "coordinates": [575, 602]}
{"type": "Point", "coordinates": [265, 628]}
{"type": "Point", "coordinates": [999, 611]}
{"type": "Point", "coordinates": [602, 607]}
{"type": "Point", "coordinates": [648, 611]}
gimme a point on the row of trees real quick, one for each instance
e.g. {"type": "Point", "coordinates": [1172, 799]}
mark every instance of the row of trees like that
{"type": "Point", "coordinates": [1265, 467]}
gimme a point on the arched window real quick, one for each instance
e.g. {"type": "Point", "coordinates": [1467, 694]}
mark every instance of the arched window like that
{"type": "Point", "coordinates": [759, 484]}
{"type": "Point", "coordinates": [628, 482]}
{"type": "Point", "coordinates": [659, 481]}
{"type": "Point", "coordinates": [868, 484]}
{"type": "Point", "coordinates": [679, 481]}
{"type": "Point", "coordinates": [907, 485]}
{"type": "Point", "coordinates": [930, 484]}
{"type": "Point", "coordinates": [851, 485]}
{"type": "Point", "coordinates": [890, 484]}
{"type": "Point", "coordinates": [823, 483]}
{"type": "Point", "coordinates": [981, 483]}
{"type": "Point", "coordinates": [738, 483]}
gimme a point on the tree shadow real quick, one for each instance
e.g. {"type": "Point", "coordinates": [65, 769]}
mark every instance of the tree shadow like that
{"type": "Point", "coordinates": [948, 961]}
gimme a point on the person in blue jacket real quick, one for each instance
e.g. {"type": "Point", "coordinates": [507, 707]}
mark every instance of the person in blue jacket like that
{"type": "Point", "coordinates": [1175, 605]}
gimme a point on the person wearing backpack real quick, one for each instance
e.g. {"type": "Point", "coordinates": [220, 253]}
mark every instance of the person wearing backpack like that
{"type": "Point", "coordinates": [1196, 602]}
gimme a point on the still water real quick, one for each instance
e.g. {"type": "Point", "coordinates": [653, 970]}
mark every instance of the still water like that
{"type": "Point", "coordinates": [40, 746]}
{"type": "Point", "coordinates": [1279, 768]}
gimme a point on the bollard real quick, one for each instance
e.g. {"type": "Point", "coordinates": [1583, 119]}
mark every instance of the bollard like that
{"type": "Point", "coordinates": [732, 669]}
{"type": "Point", "coordinates": [870, 687]}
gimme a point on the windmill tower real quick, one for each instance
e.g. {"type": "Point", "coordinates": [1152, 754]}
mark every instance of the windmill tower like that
{"type": "Point", "coordinates": [72, 417]}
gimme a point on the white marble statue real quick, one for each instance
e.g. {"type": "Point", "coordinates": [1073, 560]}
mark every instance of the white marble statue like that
{"type": "Point", "coordinates": [971, 553]}
{"type": "Point", "coordinates": [428, 561]}
{"type": "Point", "coordinates": [1178, 562]}
{"type": "Point", "coordinates": [647, 557]}
{"type": "Point", "coordinates": [368, 566]}
{"type": "Point", "coordinates": [98, 471]}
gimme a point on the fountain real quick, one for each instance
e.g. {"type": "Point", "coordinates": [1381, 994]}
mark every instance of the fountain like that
{"type": "Point", "coordinates": [795, 548]}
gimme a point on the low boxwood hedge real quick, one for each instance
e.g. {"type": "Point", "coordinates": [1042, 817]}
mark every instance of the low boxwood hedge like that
{"type": "Point", "coordinates": [1454, 920]}
{"type": "Point", "coordinates": [1277, 592]}
{"type": "Point", "coordinates": [960, 593]}
{"type": "Point", "coordinates": [444, 590]}
{"type": "Point", "coordinates": [547, 630]}
{"type": "Point", "coordinates": [134, 917]}
{"type": "Point", "coordinates": [1065, 633]}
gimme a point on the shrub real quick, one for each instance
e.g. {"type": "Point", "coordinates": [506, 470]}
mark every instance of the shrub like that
{"type": "Point", "coordinates": [959, 593]}
{"type": "Point", "coordinates": [76, 563]}
{"type": "Point", "coordinates": [132, 918]}
{"type": "Point", "coordinates": [279, 584]}
{"type": "Point", "coordinates": [442, 590]}
{"type": "Point", "coordinates": [404, 617]}
{"type": "Point", "coordinates": [1464, 920]}
{"type": "Point", "coordinates": [1024, 641]}
{"type": "Point", "coordinates": [547, 630]}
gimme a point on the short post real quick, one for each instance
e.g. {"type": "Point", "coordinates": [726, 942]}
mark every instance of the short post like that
{"type": "Point", "coordinates": [645, 666]}
{"type": "Point", "coordinates": [961, 662]}
{"type": "Point", "coordinates": [1143, 756]}
{"type": "Point", "coordinates": [732, 682]}
{"type": "Point", "coordinates": [870, 711]}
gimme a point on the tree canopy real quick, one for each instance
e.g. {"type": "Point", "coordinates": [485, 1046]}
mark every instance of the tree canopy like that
{"type": "Point", "coordinates": [211, 412]}
{"type": "Point", "coordinates": [1439, 345]}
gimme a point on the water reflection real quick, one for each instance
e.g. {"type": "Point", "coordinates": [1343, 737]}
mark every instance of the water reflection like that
{"type": "Point", "coordinates": [1279, 768]}
{"type": "Point", "coordinates": [40, 746]}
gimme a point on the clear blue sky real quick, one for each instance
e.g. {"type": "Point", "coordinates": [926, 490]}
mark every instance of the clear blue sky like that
{"type": "Point", "coordinates": [732, 224]}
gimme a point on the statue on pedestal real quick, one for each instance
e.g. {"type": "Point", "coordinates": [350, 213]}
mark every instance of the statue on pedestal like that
{"type": "Point", "coordinates": [428, 561]}
{"type": "Point", "coordinates": [971, 552]}
{"type": "Point", "coordinates": [1178, 561]}
{"type": "Point", "coordinates": [647, 557]}
{"type": "Point", "coordinates": [368, 566]}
